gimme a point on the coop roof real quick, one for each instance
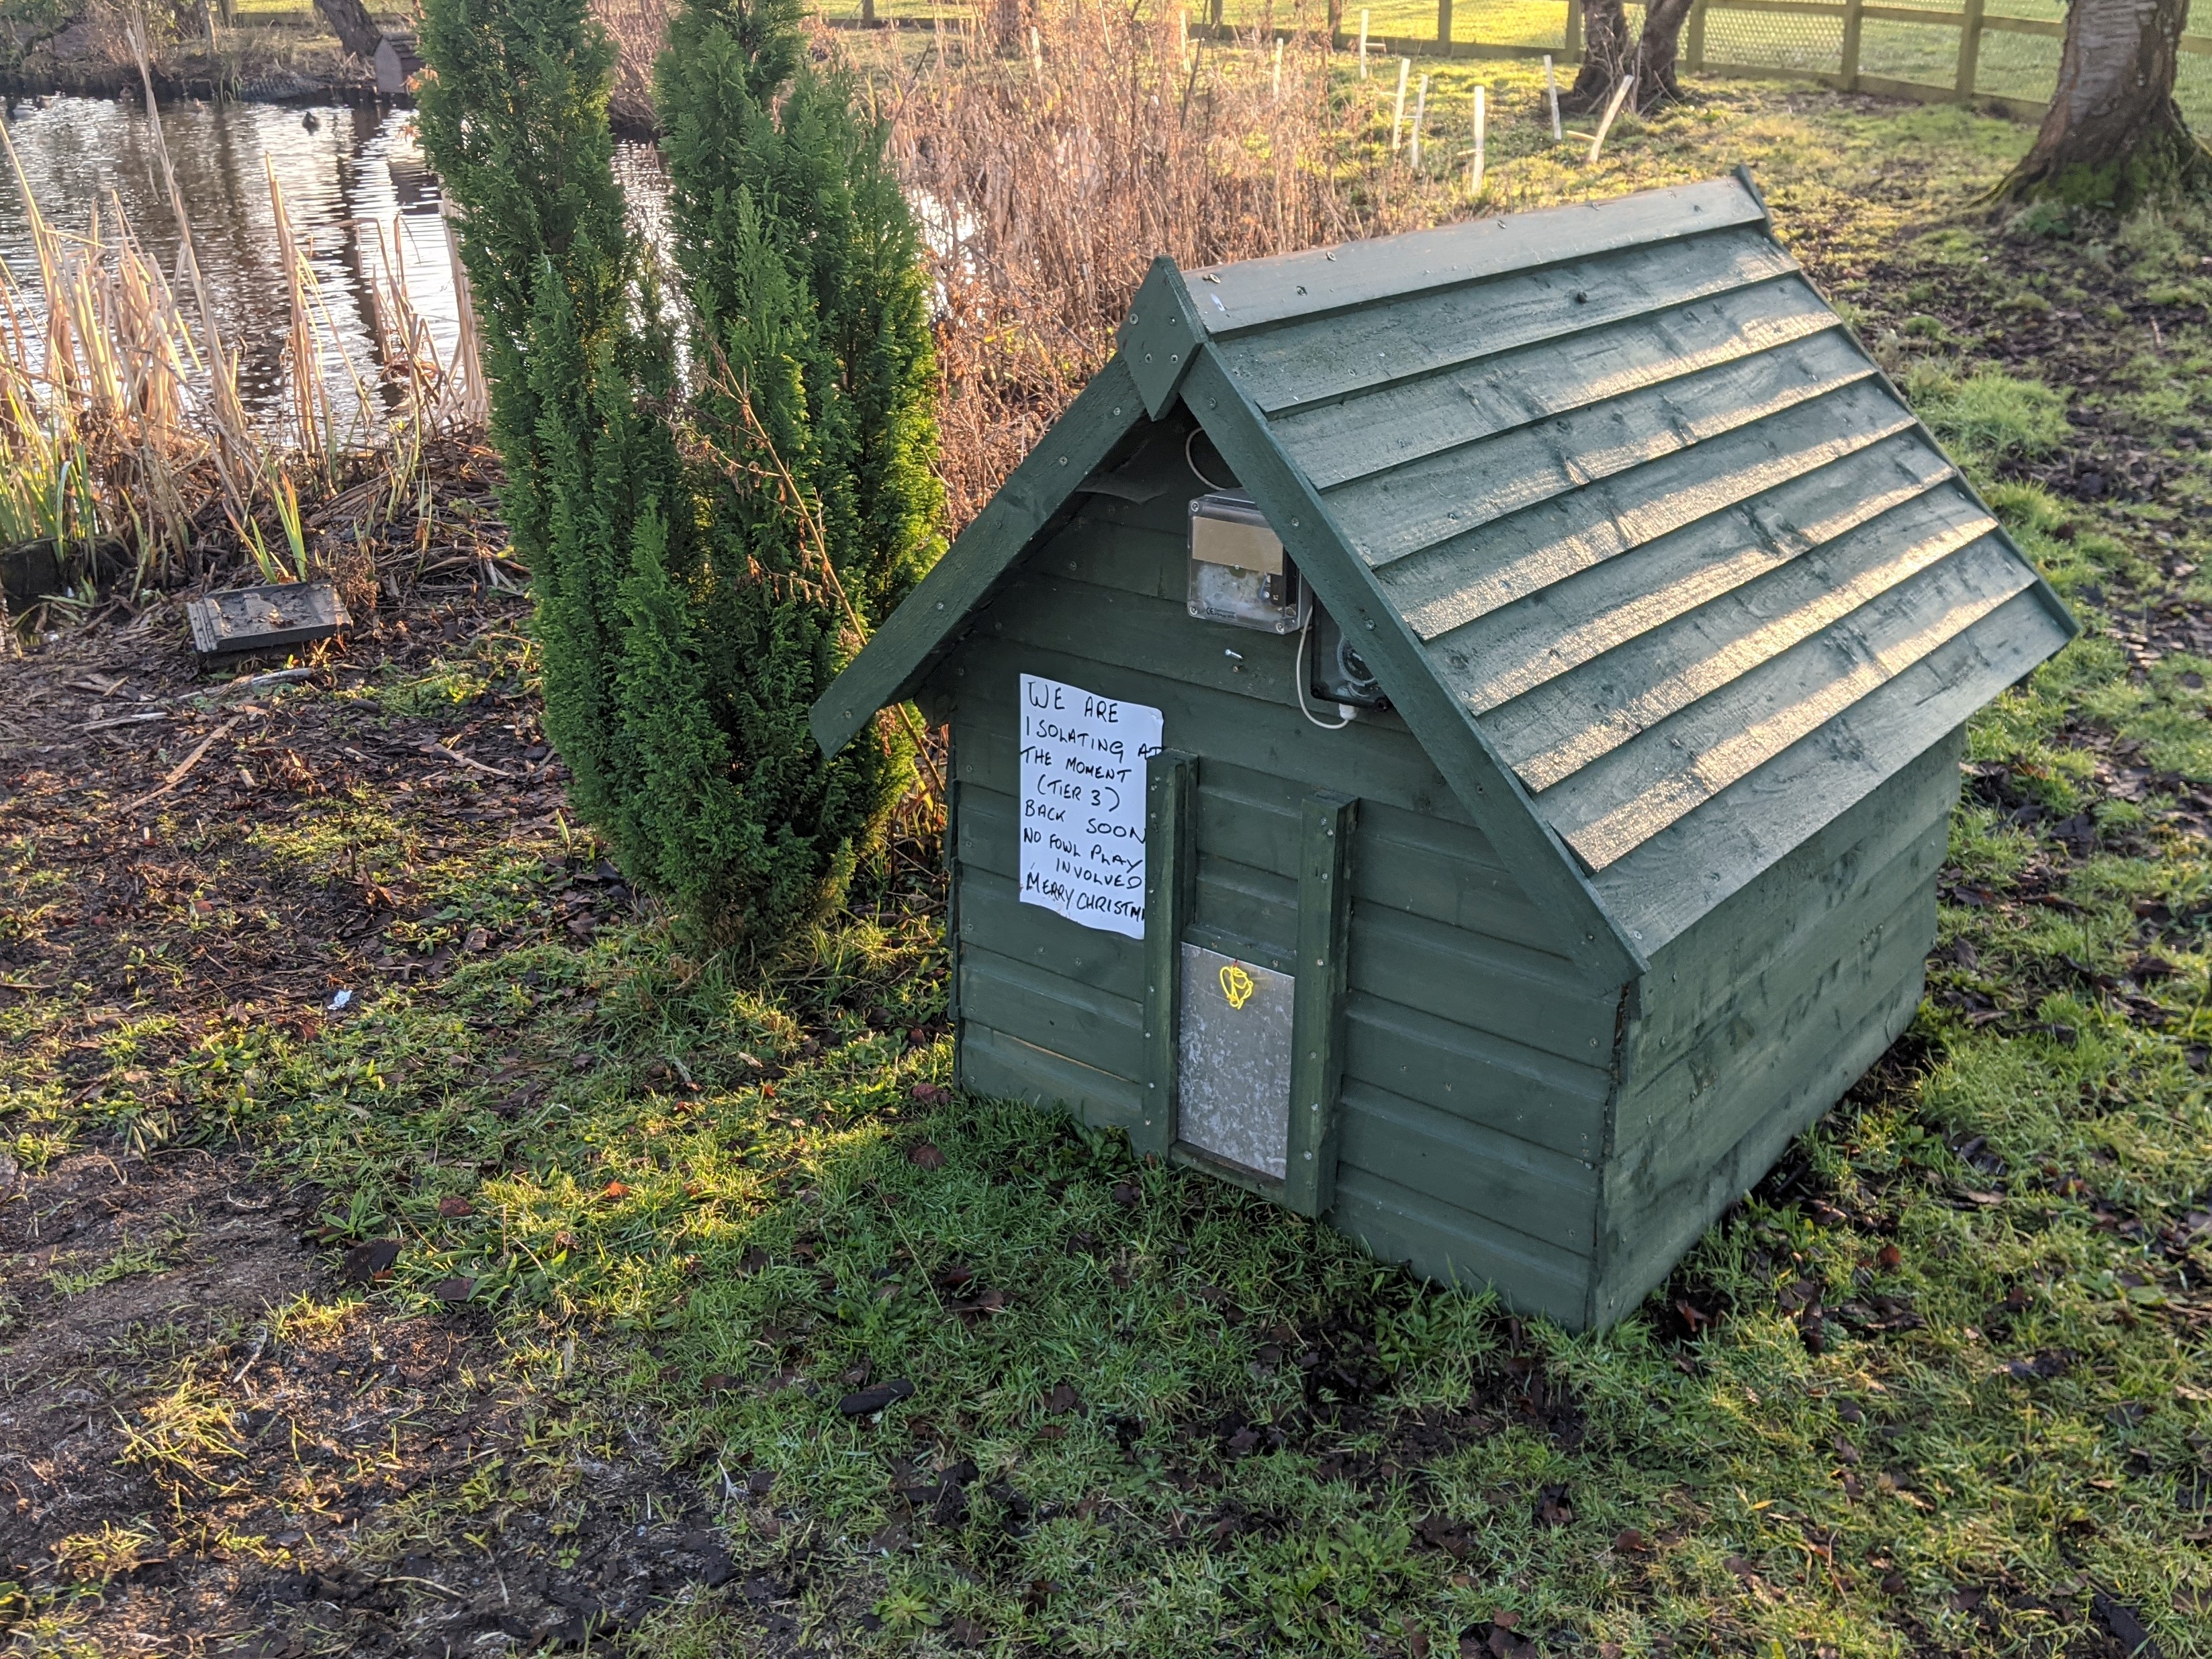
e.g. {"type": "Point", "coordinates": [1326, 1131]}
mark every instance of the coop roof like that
{"type": "Point", "coordinates": [1651, 556]}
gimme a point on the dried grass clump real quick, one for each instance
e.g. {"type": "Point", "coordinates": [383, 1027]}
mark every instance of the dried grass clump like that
{"type": "Point", "coordinates": [1052, 165]}
{"type": "Point", "coordinates": [123, 442]}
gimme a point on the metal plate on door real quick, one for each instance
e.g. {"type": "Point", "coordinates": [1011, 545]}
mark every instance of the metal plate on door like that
{"type": "Point", "coordinates": [1233, 1072]}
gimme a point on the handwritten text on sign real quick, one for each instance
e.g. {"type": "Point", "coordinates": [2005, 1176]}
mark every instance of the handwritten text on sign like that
{"type": "Point", "coordinates": [1083, 804]}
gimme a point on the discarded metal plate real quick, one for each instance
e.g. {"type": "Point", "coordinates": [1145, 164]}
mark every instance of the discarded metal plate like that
{"type": "Point", "coordinates": [265, 618]}
{"type": "Point", "coordinates": [1233, 1075]}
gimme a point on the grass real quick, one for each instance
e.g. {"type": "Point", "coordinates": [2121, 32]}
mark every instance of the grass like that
{"type": "Point", "coordinates": [1941, 1386]}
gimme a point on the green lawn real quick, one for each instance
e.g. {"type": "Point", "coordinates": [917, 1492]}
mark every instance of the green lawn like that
{"type": "Point", "coordinates": [1942, 1385]}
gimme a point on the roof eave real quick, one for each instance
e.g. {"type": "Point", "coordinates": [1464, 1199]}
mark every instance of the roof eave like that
{"type": "Point", "coordinates": [907, 644]}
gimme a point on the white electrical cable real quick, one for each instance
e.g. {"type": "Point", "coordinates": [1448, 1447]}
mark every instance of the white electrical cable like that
{"type": "Point", "coordinates": [1190, 462]}
{"type": "Point", "coordinates": [1300, 684]}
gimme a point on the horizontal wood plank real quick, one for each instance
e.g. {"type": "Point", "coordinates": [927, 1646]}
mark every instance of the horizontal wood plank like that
{"type": "Point", "coordinates": [1548, 1197]}
{"type": "Point", "coordinates": [1521, 645]}
{"type": "Point", "coordinates": [1443, 1243]}
{"type": "Point", "coordinates": [1259, 292]}
{"type": "Point", "coordinates": [1614, 805]}
{"type": "Point", "coordinates": [1455, 582]}
{"type": "Point", "coordinates": [1562, 727]}
{"type": "Point", "coordinates": [1443, 495]}
{"type": "Point", "coordinates": [1084, 1022]}
{"type": "Point", "coordinates": [1405, 421]}
{"type": "Point", "coordinates": [1896, 836]}
{"type": "Point", "coordinates": [1506, 1086]}
{"type": "Point", "coordinates": [1005, 1067]}
{"type": "Point", "coordinates": [1295, 374]}
{"type": "Point", "coordinates": [1685, 871]}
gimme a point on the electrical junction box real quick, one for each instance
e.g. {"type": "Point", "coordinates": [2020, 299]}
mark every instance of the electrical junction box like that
{"type": "Point", "coordinates": [1239, 574]}
{"type": "Point", "coordinates": [1340, 673]}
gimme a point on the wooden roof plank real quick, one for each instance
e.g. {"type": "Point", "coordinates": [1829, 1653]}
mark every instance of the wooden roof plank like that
{"type": "Point", "coordinates": [1491, 795]}
{"type": "Point", "coordinates": [1679, 875]}
{"type": "Point", "coordinates": [1259, 292]}
{"type": "Point", "coordinates": [1401, 422]}
{"type": "Point", "coordinates": [1311, 365]}
{"type": "Point", "coordinates": [1556, 730]}
{"type": "Point", "coordinates": [1452, 583]}
{"type": "Point", "coordinates": [1512, 650]}
{"type": "Point", "coordinates": [1442, 495]}
{"type": "Point", "coordinates": [1608, 809]}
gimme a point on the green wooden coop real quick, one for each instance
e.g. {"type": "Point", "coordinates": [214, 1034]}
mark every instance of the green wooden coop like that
{"type": "Point", "coordinates": [1456, 732]}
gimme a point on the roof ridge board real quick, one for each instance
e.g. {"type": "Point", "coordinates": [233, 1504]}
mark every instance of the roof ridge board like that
{"type": "Point", "coordinates": [1756, 640]}
{"type": "Point", "coordinates": [1257, 366]}
{"type": "Point", "coordinates": [894, 661]}
{"type": "Point", "coordinates": [1671, 433]}
{"type": "Point", "coordinates": [1604, 824]}
{"type": "Point", "coordinates": [1759, 548]}
{"type": "Point", "coordinates": [1253, 294]}
{"type": "Point", "coordinates": [1332, 444]}
{"type": "Point", "coordinates": [1663, 886]}
{"type": "Point", "coordinates": [1435, 601]}
{"type": "Point", "coordinates": [1486, 787]}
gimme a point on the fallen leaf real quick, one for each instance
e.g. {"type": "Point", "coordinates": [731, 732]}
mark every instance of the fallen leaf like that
{"type": "Point", "coordinates": [717, 1383]}
{"type": "Point", "coordinates": [1740, 1567]}
{"type": "Point", "coordinates": [1064, 1399]}
{"type": "Point", "coordinates": [1630, 1540]}
{"type": "Point", "coordinates": [1889, 1258]}
{"type": "Point", "coordinates": [452, 1206]}
{"type": "Point", "coordinates": [363, 1262]}
{"type": "Point", "coordinates": [475, 939]}
{"type": "Point", "coordinates": [1552, 1509]}
{"type": "Point", "coordinates": [1126, 1194]}
{"type": "Point", "coordinates": [868, 1402]}
{"type": "Point", "coordinates": [612, 1190]}
{"type": "Point", "coordinates": [1244, 1443]}
{"type": "Point", "coordinates": [454, 1289]}
{"type": "Point", "coordinates": [923, 1155]}
{"type": "Point", "coordinates": [964, 1632]}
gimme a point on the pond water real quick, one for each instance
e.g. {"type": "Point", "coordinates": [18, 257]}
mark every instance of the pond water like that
{"type": "Point", "coordinates": [362, 202]}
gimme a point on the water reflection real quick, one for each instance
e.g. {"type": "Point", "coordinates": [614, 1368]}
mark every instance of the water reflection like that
{"type": "Point", "coordinates": [362, 202]}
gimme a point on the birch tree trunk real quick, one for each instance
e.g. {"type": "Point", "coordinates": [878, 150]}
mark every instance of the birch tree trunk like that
{"type": "Point", "coordinates": [2113, 132]}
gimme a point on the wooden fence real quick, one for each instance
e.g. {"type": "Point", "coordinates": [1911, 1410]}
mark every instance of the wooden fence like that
{"type": "Point", "coordinates": [1840, 27]}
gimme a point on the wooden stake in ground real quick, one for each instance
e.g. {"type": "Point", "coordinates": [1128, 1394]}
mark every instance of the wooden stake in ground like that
{"type": "Point", "coordinates": [1474, 169]}
{"type": "Point", "coordinates": [1363, 46]}
{"type": "Point", "coordinates": [1420, 113]}
{"type": "Point", "coordinates": [1398, 115]}
{"type": "Point", "coordinates": [1552, 92]}
{"type": "Point", "coordinates": [1619, 97]}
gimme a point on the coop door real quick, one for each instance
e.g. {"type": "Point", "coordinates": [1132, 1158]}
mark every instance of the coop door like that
{"type": "Point", "coordinates": [1233, 1072]}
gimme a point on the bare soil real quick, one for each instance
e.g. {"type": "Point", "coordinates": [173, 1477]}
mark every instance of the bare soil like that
{"type": "Point", "coordinates": [314, 1428]}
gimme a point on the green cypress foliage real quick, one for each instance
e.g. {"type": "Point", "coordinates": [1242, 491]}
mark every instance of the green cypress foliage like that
{"type": "Point", "coordinates": [706, 548]}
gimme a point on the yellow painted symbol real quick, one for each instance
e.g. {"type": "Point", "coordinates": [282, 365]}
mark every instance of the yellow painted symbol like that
{"type": "Point", "coordinates": [1237, 985]}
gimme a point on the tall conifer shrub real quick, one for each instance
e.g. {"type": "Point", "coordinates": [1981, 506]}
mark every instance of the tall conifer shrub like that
{"type": "Point", "coordinates": [708, 546]}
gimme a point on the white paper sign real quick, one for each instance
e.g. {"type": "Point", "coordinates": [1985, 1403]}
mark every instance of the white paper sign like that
{"type": "Point", "coordinates": [1083, 804]}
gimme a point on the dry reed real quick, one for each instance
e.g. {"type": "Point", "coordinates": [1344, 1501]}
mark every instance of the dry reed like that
{"type": "Point", "coordinates": [122, 437]}
{"type": "Point", "coordinates": [1050, 169]}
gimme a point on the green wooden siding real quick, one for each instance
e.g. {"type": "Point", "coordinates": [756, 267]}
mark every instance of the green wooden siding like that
{"type": "Point", "coordinates": [1761, 1015]}
{"type": "Point", "coordinates": [1476, 1055]}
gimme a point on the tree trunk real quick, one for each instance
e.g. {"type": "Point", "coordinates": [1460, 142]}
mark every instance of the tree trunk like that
{"type": "Point", "coordinates": [1657, 50]}
{"type": "Point", "coordinates": [355, 30]}
{"type": "Point", "coordinates": [2113, 132]}
{"type": "Point", "coordinates": [1005, 20]}
{"type": "Point", "coordinates": [1606, 56]}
